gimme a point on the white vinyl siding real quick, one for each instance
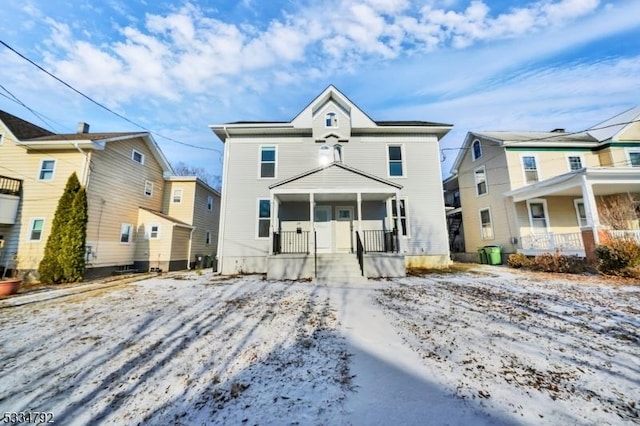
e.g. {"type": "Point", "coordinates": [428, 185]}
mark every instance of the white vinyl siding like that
{"type": "Point", "coordinates": [486, 225]}
{"type": "Point", "coordinates": [480, 178]}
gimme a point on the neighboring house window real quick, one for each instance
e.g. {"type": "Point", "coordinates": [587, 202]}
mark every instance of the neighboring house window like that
{"type": "Point", "coordinates": [331, 120]}
{"type": "Point", "coordinates": [538, 217]}
{"type": "Point", "coordinates": [581, 212]}
{"type": "Point", "coordinates": [264, 217]}
{"type": "Point", "coordinates": [46, 169]}
{"type": "Point", "coordinates": [125, 232]}
{"type": "Point", "coordinates": [137, 156]}
{"type": "Point", "coordinates": [207, 238]}
{"type": "Point", "coordinates": [154, 232]}
{"type": "Point", "coordinates": [148, 188]}
{"type": "Point", "coordinates": [209, 202]}
{"type": "Point", "coordinates": [480, 176]}
{"type": "Point", "coordinates": [486, 227]}
{"type": "Point", "coordinates": [177, 196]}
{"type": "Point", "coordinates": [396, 167]}
{"type": "Point", "coordinates": [35, 229]}
{"type": "Point", "coordinates": [530, 169]}
{"type": "Point", "coordinates": [403, 226]}
{"type": "Point", "coordinates": [575, 162]}
{"type": "Point", "coordinates": [325, 155]}
{"type": "Point", "coordinates": [476, 150]}
{"type": "Point", "coordinates": [634, 158]}
{"type": "Point", "coordinates": [267, 161]}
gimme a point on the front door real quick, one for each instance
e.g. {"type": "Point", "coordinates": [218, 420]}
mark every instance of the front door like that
{"type": "Point", "coordinates": [344, 226]}
{"type": "Point", "coordinates": [322, 219]}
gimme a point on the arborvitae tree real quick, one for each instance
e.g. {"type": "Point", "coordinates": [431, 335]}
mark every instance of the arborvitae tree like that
{"type": "Point", "coordinates": [68, 234]}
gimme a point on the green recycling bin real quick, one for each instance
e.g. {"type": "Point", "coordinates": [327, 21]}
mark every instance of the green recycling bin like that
{"type": "Point", "coordinates": [483, 256]}
{"type": "Point", "coordinates": [494, 255]}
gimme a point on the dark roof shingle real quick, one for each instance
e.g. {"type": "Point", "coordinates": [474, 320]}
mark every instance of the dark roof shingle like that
{"type": "Point", "coordinates": [22, 129]}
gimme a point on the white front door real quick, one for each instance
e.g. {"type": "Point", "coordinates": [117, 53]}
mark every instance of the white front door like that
{"type": "Point", "coordinates": [322, 219]}
{"type": "Point", "coordinates": [344, 225]}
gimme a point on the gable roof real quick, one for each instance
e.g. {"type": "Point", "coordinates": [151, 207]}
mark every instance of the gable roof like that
{"type": "Point", "coordinates": [609, 129]}
{"type": "Point", "coordinates": [22, 129]}
{"type": "Point", "coordinates": [167, 217]}
{"type": "Point", "coordinates": [351, 170]}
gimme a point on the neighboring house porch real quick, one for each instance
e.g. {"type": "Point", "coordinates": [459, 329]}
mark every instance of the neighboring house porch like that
{"type": "Point", "coordinates": [574, 212]}
{"type": "Point", "coordinates": [325, 212]}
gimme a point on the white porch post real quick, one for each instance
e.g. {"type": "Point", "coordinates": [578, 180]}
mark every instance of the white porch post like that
{"type": "Point", "coordinates": [312, 218]}
{"type": "Point", "coordinates": [273, 220]}
{"type": "Point", "coordinates": [590, 208]}
{"type": "Point", "coordinates": [359, 198]}
{"type": "Point", "coordinates": [398, 224]}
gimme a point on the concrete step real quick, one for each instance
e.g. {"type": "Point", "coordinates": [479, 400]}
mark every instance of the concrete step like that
{"type": "Point", "coordinates": [338, 266]}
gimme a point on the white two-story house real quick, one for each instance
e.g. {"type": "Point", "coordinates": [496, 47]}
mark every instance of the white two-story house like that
{"type": "Point", "coordinates": [331, 184]}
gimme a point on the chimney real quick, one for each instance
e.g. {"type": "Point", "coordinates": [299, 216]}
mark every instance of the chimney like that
{"type": "Point", "coordinates": [559, 130]}
{"type": "Point", "coordinates": [83, 127]}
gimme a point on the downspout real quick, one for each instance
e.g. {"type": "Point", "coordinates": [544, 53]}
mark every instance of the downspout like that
{"type": "Point", "coordinates": [84, 174]}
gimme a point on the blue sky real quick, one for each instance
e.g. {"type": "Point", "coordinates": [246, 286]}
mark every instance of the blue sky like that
{"type": "Point", "coordinates": [176, 67]}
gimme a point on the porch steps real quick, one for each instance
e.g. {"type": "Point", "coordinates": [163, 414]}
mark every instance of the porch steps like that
{"type": "Point", "coordinates": [339, 267]}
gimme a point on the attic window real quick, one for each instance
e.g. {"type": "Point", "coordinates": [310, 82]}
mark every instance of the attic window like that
{"type": "Point", "coordinates": [476, 150]}
{"type": "Point", "coordinates": [331, 120]}
{"type": "Point", "coordinates": [137, 156]}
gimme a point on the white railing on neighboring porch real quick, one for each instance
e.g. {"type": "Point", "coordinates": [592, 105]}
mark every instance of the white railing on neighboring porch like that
{"type": "Point", "coordinates": [552, 242]}
{"type": "Point", "coordinates": [631, 234]}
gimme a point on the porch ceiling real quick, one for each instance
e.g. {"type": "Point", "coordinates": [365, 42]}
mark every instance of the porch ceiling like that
{"type": "Point", "coordinates": [332, 196]}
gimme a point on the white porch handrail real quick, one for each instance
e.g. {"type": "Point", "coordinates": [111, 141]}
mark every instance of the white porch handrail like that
{"type": "Point", "coordinates": [551, 241]}
{"type": "Point", "coordinates": [629, 233]}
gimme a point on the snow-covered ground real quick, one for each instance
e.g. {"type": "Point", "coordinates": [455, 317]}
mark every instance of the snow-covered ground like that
{"type": "Point", "coordinates": [468, 348]}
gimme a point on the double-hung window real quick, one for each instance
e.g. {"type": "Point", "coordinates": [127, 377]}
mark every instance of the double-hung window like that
{"type": "Point", "coordinates": [396, 167]}
{"type": "Point", "coordinates": [530, 168]}
{"type": "Point", "coordinates": [125, 232]}
{"type": "Point", "coordinates": [581, 212]}
{"type": "Point", "coordinates": [400, 221]}
{"type": "Point", "coordinates": [538, 217]}
{"type": "Point", "coordinates": [634, 158]}
{"type": "Point", "coordinates": [177, 196]}
{"type": "Point", "coordinates": [575, 162]}
{"type": "Point", "coordinates": [154, 232]}
{"type": "Point", "coordinates": [486, 227]}
{"type": "Point", "coordinates": [46, 169]}
{"type": "Point", "coordinates": [209, 202]}
{"type": "Point", "coordinates": [264, 217]}
{"type": "Point", "coordinates": [480, 177]}
{"type": "Point", "coordinates": [148, 188]}
{"type": "Point", "coordinates": [35, 230]}
{"type": "Point", "coordinates": [267, 161]}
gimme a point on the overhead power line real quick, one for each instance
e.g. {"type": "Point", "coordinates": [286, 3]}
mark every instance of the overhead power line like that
{"type": "Point", "coordinates": [90, 99]}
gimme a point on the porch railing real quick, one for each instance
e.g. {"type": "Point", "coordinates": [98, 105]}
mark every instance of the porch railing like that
{"type": "Point", "coordinates": [291, 242]}
{"type": "Point", "coordinates": [10, 186]}
{"type": "Point", "coordinates": [552, 241]}
{"type": "Point", "coordinates": [629, 233]}
{"type": "Point", "coordinates": [360, 253]}
{"type": "Point", "coordinates": [379, 241]}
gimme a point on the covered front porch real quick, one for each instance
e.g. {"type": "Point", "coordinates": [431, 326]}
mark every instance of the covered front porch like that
{"type": "Point", "coordinates": [351, 216]}
{"type": "Point", "coordinates": [574, 212]}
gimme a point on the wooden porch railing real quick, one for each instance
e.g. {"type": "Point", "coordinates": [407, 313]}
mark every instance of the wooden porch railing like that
{"type": "Point", "coordinates": [10, 186]}
{"type": "Point", "coordinates": [630, 234]}
{"type": "Point", "coordinates": [552, 241]}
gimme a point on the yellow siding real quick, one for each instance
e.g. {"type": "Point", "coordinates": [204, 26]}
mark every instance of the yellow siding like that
{"type": "Point", "coordinates": [606, 160]}
{"type": "Point", "coordinates": [619, 156]}
{"type": "Point", "coordinates": [631, 133]}
{"type": "Point", "coordinates": [180, 244]}
{"type": "Point", "coordinates": [149, 249]}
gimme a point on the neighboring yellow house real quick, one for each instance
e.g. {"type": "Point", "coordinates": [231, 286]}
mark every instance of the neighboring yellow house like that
{"type": "Point", "coordinates": [535, 192]}
{"type": "Point", "coordinates": [126, 177]}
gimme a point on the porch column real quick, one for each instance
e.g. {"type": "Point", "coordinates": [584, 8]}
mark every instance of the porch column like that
{"type": "Point", "coordinates": [590, 208]}
{"type": "Point", "coordinates": [273, 221]}
{"type": "Point", "coordinates": [359, 198]}
{"type": "Point", "coordinates": [396, 200]}
{"type": "Point", "coordinates": [312, 218]}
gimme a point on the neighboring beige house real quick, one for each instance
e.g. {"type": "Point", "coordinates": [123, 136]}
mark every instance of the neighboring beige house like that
{"type": "Point", "coordinates": [331, 189]}
{"type": "Point", "coordinates": [535, 192]}
{"type": "Point", "coordinates": [126, 177]}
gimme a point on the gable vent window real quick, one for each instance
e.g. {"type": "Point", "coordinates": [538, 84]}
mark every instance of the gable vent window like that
{"type": "Point", "coordinates": [137, 156]}
{"type": "Point", "coordinates": [331, 119]}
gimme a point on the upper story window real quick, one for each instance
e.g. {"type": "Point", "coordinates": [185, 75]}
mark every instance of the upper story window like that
{"type": "Point", "coordinates": [480, 178]}
{"type": "Point", "coordinates": [396, 167]}
{"type": "Point", "coordinates": [125, 232]}
{"type": "Point", "coordinates": [137, 156]}
{"type": "Point", "coordinates": [530, 169]}
{"type": "Point", "coordinates": [575, 162]}
{"type": "Point", "coordinates": [148, 188]}
{"type": "Point", "coordinates": [325, 155]}
{"type": "Point", "coordinates": [476, 150]}
{"type": "Point", "coordinates": [267, 161]}
{"type": "Point", "coordinates": [207, 237]}
{"type": "Point", "coordinates": [331, 119]}
{"type": "Point", "coordinates": [209, 202]}
{"type": "Point", "coordinates": [337, 153]}
{"type": "Point", "coordinates": [634, 157]}
{"type": "Point", "coordinates": [46, 169]}
{"type": "Point", "coordinates": [177, 196]}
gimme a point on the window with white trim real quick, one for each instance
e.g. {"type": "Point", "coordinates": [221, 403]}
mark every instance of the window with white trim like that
{"type": "Point", "coordinates": [538, 216]}
{"type": "Point", "coordinates": [209, 202]}
{"type": "Point", "coordinates": [575, 162]}
{"type": "Point", "coordinates": [486, 227]}
{"type": "Point", "coordinates": [177, 196]}
{"type": "Point", "coordinates": [633, 157]}
{"type": "Point", "coordinates": [394, 154]}
{"type": "Point", "coordinates": [480, 178]}
{"type": "Point", "coordinates": [126, 233]}
{"type": "Point", "coordinates": [36, 228]}
{"type": "Point", "coordinates": [325, 155]}
{"type": "Point", "coordinates": [148, 188]}
{"type": "Point", "coordinates": [154, 232]}
{"type": "Point", "coordinates": [581, 212]}
{"type": "Point", "coordinates": [47, 167]}
{"type": "Point", "coordinates": [207, 237]}
{"type": "Point", "coordinates": [264, 217]}
{"type": "Point", "coordinates": [476, 150]}
{"type": "Point", "coordinates": [267, 161]}
{"type": "Point", "coordinates": [137, 156]}
{"type": "Point", "coordinates": [331, 119]}
{"type": "Point", "coordinates": [530, 168]}
{"type": "Point", "coordinates": [400, 221]}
